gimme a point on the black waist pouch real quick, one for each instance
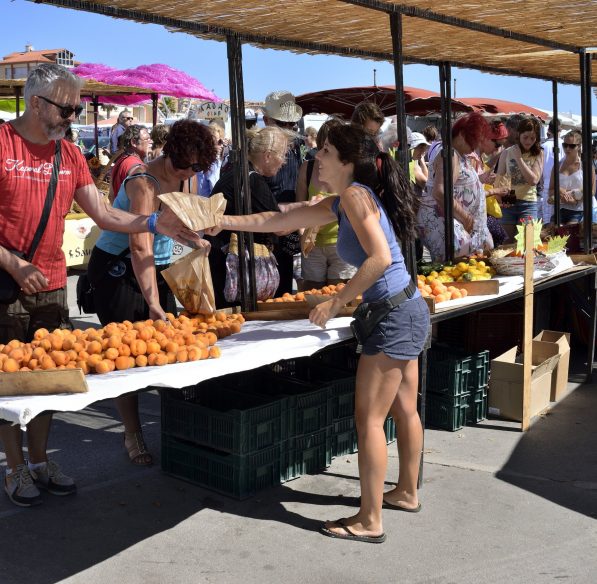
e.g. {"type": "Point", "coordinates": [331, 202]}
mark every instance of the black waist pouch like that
{"type": "Point", "coordinates": [368, 315]}
{"type": "Point", "coordinates": [9, 289]}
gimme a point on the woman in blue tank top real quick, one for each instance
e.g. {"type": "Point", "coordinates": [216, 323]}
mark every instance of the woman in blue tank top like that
{"type": "Point", "coordinates": [375, 210]}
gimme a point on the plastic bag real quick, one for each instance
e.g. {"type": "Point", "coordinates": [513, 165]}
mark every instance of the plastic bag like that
{"type": "Point", "coordinates": [493, 207]}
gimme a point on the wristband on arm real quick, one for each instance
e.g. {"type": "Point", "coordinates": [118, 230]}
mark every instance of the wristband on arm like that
{"type": "Point", "coordinates": [152, 222]}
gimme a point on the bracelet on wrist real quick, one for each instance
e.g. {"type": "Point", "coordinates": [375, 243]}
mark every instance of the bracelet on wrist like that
{"type": "Point", "coordinates": [152, 221]}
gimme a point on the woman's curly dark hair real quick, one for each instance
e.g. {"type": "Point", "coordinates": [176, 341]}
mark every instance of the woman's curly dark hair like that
{"type": "Point", "coordinates": [190, 142]}
{"type": "Point", "coordinates": [387, 179]}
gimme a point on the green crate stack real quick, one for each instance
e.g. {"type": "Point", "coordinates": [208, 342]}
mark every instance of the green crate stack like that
{"type": "Point", "coordinates": [478, 382]}
{"type": "Point", "coordinates": [238, 476]}
{"type": "Point", "coordinates": [345, 439]}
{"type": "Point", "coordinates": [341, 356]}
{"type": "Point", "coordinates": [477, 410]}
{"type": "Point", "coordinates": [446, 412]}
{"type": "Point", "coordinates": [306, 454]}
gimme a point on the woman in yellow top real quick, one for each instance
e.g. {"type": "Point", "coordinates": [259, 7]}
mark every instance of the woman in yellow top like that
{"type": "Point", "coordinates": [321, 265]}
{"type": "Point", "coordinates": [522, 165]}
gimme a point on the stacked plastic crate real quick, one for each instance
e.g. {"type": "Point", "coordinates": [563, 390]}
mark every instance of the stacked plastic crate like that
{"type": "Point", "coordinates": [456, 387]}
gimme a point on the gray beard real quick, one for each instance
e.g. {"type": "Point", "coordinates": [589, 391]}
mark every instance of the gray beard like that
{"type": "Point", "coordinates": [55, 132]}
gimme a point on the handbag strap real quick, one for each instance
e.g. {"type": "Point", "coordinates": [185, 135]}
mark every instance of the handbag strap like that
{"type": "Point", "coordinates": [45, 214]}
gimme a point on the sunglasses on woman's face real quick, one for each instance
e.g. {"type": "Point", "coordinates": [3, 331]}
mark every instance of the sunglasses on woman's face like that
{"type": "Point", "coordinates": [195, 167]}
{"type": "Point", "coordinates": [566, 145]}
{"type": "Point", "coordinates": [66, 111]}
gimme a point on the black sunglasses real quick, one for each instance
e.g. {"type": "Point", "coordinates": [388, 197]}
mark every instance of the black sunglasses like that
{"type": "Point", "coordinates": [66, 111]}
{"type": "Point", "coordinates": [196, 167]}
{"type": "Point", "coordinates": [566, 145]}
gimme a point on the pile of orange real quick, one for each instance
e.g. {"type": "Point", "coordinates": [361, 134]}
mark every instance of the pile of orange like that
{"type": "Point", "coordinates": [439, 291]}
{"type": "Point", "coordinates": [121, 345]}
{"type": "Point", "coordinates": [329, 290]}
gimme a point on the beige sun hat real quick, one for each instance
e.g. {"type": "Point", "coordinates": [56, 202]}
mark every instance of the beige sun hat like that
{"type": "Point", "coordinates": [281, 106]}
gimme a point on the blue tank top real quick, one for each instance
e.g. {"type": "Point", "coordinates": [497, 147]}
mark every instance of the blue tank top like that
{"type": "Point", "coordinates": [396, 276]}
{"type": "Point", "coordinates": [115, 243]}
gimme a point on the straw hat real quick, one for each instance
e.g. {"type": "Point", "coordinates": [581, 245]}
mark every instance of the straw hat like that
{"type": "Point", "coordinates": [281, 106]}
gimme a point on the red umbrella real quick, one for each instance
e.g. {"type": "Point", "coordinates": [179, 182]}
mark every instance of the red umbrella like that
{"type": "Point", "coordinates": [501, 107]}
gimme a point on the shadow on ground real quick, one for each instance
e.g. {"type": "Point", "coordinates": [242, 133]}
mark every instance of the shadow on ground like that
{"type": "Point", "coordinates": [557, 458]}
{"type": "Point", "coordinates": [118, 505]}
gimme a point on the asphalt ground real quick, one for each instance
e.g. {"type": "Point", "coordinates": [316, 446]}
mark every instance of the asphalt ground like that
{"type": "Point", "coordinates": [498, 506]}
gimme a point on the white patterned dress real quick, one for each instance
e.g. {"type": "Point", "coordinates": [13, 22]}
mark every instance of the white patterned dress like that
{"type": "Point", "coordinates": [468, 191]}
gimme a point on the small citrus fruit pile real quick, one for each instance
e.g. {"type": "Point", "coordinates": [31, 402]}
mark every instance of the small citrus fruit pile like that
{"type": "Point", "coordinates": [439, 291]}
{"type": "Point", "coordinates": [328, 290]}
{"type": "Point", "coordinates": [121, 345]}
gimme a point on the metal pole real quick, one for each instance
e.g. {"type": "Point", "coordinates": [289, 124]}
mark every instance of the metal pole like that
{"type": "Point", "coordinates": [18, 102]}
{"type": "Point", "coordinates": [408, 247]}
{"type": "Point", "coordinates": [556, 155]}
{"type": "Point", "coordinates": [587, 166]}
{"type": "Point", "coordinates": [239, 161]}
{"type": "Point", "coordinates": [95, 119]}
{"type": "Point", "coordinates": [445, 80]}
{"type": "Point", "coordinates": [154, 108]}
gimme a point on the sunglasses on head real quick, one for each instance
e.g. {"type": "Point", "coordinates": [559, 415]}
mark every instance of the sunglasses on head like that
{"type": "Point", "coordinates": [195, 167]}
{"type": "Point", "coordinates": [566, 145]}
{"type": "Point", "coordinates": [66, 111]}
{"type": "Point", "coordinates": [128, 119]}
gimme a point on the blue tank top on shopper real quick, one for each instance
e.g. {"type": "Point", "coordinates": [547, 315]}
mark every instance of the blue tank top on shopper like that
{"type": "Point", "coordinates": [115, 243]}
{"type": "Point", "coordinates": [396, 277]}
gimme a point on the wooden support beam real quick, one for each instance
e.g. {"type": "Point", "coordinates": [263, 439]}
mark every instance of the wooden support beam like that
{"type": "Point", "coordinates": [527, 336]}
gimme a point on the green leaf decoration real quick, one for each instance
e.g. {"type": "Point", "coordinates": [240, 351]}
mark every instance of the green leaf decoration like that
{"type": "Point", "coordinates": [556, 244]}
{"type": "Point", "coordinates": [519, 237]}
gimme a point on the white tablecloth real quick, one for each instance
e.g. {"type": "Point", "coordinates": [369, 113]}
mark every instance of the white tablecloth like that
{"type": "Point", "coordinates": [259, 343]}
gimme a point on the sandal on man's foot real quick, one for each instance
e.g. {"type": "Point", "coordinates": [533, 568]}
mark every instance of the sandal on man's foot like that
{"type": "Point", "coordinates": [136, 449]}
{"type": "Point", "coordinates": [349, 534]}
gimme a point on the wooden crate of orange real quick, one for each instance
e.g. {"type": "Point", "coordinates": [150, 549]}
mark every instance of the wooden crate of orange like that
{"type": "Point", "coordinates": [120, 346]}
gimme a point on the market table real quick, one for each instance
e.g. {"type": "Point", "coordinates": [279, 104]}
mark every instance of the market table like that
{"type": "Point", "coordinates": [259, 343]}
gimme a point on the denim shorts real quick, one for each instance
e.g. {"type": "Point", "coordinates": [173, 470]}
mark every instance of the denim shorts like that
{"type": "Point", "coordinates": [570, 216]}
{"type": "Point", "coordinates": [402, 333]}
{"type": "Point", "coordinates": [520, 210]}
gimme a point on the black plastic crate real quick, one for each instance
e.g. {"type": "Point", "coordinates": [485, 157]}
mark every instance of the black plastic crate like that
{"type": "Point", "coordinates": [446, 412]}
{"type": "Point", "coordinates": [340, 384]}
{"type": "Point", "coordinates": [448, 371]}
{"type": "Point", "coordinates": [239, 476]}
{"type": "Point", "coordinates": [308, 454]}
{"type": "Point", "coordinates": [341, 356]}
{"type": "Point", "coordinates": [477, 410]}
{"type": "Point", "coordinates": [224, 419]}
{"type": "Point", "coordinates": [344, 437]}
{"type": "Point", "coordinates": [479, 377]}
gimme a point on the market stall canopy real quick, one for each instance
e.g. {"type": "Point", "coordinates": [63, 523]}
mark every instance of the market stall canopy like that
{"type": "Point", "coordinates": [569, 121]}
{"type": "Point", "coordinates": [155, 79]}
{"type": "Point", "coordinates": [501, 107]}
{"type": "Point", "coordinates": [536, 38]}
{"type": "Point", "coordinates": [9, 87]}
{"type": "Point", "coordinates": [343, 100]}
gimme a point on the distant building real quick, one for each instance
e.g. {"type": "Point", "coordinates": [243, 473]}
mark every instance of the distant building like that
{"type": "Point", "coordinates": [18, 65]}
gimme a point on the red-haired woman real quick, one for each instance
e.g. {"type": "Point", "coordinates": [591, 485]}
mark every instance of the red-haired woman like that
{"type": "Point", "coordinates": [470, 218]}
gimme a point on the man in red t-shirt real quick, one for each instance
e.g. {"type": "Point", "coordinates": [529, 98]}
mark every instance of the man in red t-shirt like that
{"type": "Point", "coordinates": [27, 148]}
{"type": "Point", "coordinates": [136, 145]}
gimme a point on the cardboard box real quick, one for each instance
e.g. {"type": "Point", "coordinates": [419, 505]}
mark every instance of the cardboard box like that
{"type": "Point", "coordinates": [506, 380]}
{"type": "Point", "coordinates": [559, 378]}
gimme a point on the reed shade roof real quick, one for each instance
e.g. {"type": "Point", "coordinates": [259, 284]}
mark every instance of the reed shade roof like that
{"type": "Point", "coordinates": [341, 27]}
{"type": "Point", "coordinates": [90, 88]}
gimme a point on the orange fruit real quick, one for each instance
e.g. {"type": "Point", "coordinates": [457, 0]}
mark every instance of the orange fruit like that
{"type": "Point", "coordinates": [41, 333]}
{"type": "Point", "coordinates": [211, 338]}
{"type": "Point", "coordinates": [171, 347]}
{"type": "Point", "coordinates": [114, 341]}
{"type": "Point", "coordinates": [94, 348]}
{"type": "Point", "coordinates": [138, 347]}
{"type": "Point", "coordinates": [464, 292]}
{"type": "Point", "coordinates": [122, 362]}
{"type": "Point", "coordinates": [182, 356]}
{"type": "Point", "coordinates": [141, 360]}
{"type": "Point", "coordinates": [111, 353]}
{"type": "Point", "coordinates": [171, 355]}
{"type": "Point", "coordinates": [83, 366]}
{"type": "Point", "coordinates": [10, 366]}
{"type": "Point", "coordinates": [47, 363]}
{"type": "Point", "coordinates": [162, 359]}
{"type": "Point", "coordinates": [124, 350]}
{"type": "Point", "coordinates": [103, 366]}
{"type": "Point", "coordinates": [59, 357]}
{"type": "Point", "coordinates": [152, 359]}
{"type": "Point", "coordinates": [215, 352]}
{"type": "Point", "coordinates": [153, 347]}
{"type": "Point", "coordinates": [17, 354]}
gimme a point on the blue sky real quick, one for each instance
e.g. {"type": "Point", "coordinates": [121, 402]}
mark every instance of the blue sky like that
{"type": "Point", "coordinates": [122, 44]}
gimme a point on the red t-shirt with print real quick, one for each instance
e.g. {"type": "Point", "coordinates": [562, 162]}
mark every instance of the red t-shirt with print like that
{"type": "Point", "coordinates": [25, 172]}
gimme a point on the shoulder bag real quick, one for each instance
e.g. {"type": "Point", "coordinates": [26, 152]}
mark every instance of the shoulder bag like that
{"type": "Point", "coordinates": [9, 289]}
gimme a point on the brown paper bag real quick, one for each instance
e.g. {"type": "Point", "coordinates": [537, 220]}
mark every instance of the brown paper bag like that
{"type": "Point", "coordinates": [189, 279]}
{"type": "Point", "coordinates": [308, 240]}
{"type": "Point", "coordinates": [197, 213]}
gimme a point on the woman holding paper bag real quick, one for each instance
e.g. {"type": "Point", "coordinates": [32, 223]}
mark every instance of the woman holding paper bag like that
{"type": "Point", "coordinates": [376, 211]}
{"type": "Point", "coordinates": [125, 269]}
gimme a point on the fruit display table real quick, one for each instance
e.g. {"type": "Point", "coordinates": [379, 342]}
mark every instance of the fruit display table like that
{"type": "Point", "coordinates": [258, 344]}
